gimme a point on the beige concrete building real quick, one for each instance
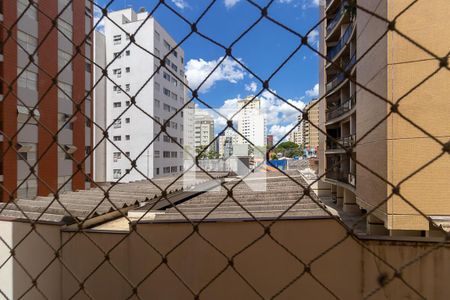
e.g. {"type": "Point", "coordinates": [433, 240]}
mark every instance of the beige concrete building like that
{"type": "Point", "coordinates": [310, 132]}
{"type": "Point", "coordinates": [369, 149]}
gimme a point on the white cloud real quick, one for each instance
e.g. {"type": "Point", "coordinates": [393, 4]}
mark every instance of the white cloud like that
{"type": "Point", "coordinates": [230, 3]}
{"type": "Point", "coordinates": [251, 87]}
{"type": "Point", "coordinates": [197, 70]}
{"type": "Point", "coordinates": [314, 92]}
{"type": "Point", "coordinates": [285, 1]}
{"type": "Point", "coordinates": [313, 37]}
{"type": "Point", "coordinates": [97, 15]}
{"type": "Point", "coordinates": [181, 4]}
{"type": "Point", "coordinates": [312, 3]}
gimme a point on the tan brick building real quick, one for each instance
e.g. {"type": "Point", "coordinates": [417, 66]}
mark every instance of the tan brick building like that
{"type": "Point", "coordinates": [371, 147]}
{"type": "Point", "coordinates": [310, 130]}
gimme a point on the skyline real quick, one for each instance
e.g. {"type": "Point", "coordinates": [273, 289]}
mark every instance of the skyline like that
{"type": "Point", "coordinates": [295, 82]}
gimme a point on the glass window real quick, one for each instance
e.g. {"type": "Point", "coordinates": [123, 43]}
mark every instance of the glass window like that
{"type": "Point", "coordinates": [157, 154]}
{"type": "Point", "coordinates": [117, 104]}
{"type": "Point", "coordinates": [118, 123]}
{"type": "Point", "coordinates": [166, 92]}
{"type": "Point", "coordinates": [157, 35]}
{"type": "Point", "coordinates": [117, 138]}
{"type": "Point", "coordinates": [27, 79]}
{"type": "Point", "coordinates": [127, 137]}
{"type": "Point", "coordinates": [117, 156]}
{"type": "Point", "coordinates": [166, 76]}
{"type": "Point", "coordinates": [117, 39]}
{"type": "Point", "coordinates": [28, 42]}
{"type": "Point", "coordinates": [65, 28]}
{"type": "Point", "coordinates": [22, 6]}
{"type": "Point", "coordinates": [117, 173]}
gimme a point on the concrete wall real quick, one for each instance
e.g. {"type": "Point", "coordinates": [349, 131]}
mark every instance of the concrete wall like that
{"type": "Point", "coordinates": [349, 271]}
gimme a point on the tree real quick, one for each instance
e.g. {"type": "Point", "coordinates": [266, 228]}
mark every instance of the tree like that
{"type": "Point", "coordinates": [289, 149]}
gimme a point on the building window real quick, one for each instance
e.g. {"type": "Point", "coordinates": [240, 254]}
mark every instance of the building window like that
{"type": "Point", "coordinates": [174, 82]}
{"type": "Point", "coordinates": [87, 150]}
{"type": "Point", "coordinates": [27, 79]}
{"type": "Point", "coordinates": [174, 67]}
{"type": "Point", "coordinates": [127, 153]}
{"type": "Point", "coordinates": [166, 154]}
{"type": "Point", "coordinates": [166, 170]}
{"type": "Point", "coordinates": [117, 55]}
{"type": "Point", "coordinates": [117, 138]}
{"type": "Point", "coordinates": [175, 53]}
{"type": "Point", "coordinates": [117, 104]}
{"type": "Point", "coordinates": [127, 87]}
{"type": "Point", "coordinates": [28, 42]}
{"type": "Point", "coordinates": [88, 66]}
{"type": "Point", "coordinates": [117, 89]}
{"type": "Point", "coordinates": [127, 69]}
{"type": "Point", "coordinates": [117, 156]}
{"type": "Point", "coordinates": [166, 107]}
{"type": "Point", "coordinates": [22, 156]}
{"type": "Point", "coordinates": [182, 60]}
{"type": "Point", "coordinates": [64, 91]}
{"type": "Point", "coordinates": [157, 35]}
{"type": "Point", "coordinates": [173, 169]}
{"type": "Point", "coordinates": [166, 139]}
{"type": "Point", "coordinates": [127, 137]}
{"type": "Point", "coordinates": [157, 103]}
{"type": "Point", "coordinates": [157, 154]}
{"type": "Point", "coordinates": [157, 87]}
{"type": "Point", "coordinates": [118, 123]}
{"type": "Point", "coordinates": [65, 28]}
{"type": "Point", "coordinates": [166, 76]}
{"type": "Point", "coordinates": [22, 6]}
{"type": "Point", "coordinates": [117, 39]}
{"type": "Point", "coordinates": [166, 92]}
{"type": "Point", "coordinates": [117, 173]}
{"type": "Point", "coordinates": [127, 103]}
{"type": "Point", "coordinates": [64, 60]}
{"type": "Point", "coordinates": [157, 171]}
{"type": "Point", "coordinates": [157, 53]}
{"type": "Point", "coordinates": [174, 97]}
{"type": "Point", "coordinates": [117, 72]}
{"type": "Point", "coordinates": [127, 120]}
{"type": "Point", "coordinates": [174, 154]}
{"type": "Point", "coordinates": [167, 45]}
{"type": "Point", "coordinates": [127, 53]}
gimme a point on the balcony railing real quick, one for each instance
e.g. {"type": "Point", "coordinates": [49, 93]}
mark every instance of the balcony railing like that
{"type": "Point", "coordinates": [332, 52]}
{"type": "Point", "coordinates": [340, 13]}
{"type": "Point", "coordinates": [339, 143]}
{"type": "Point", "coordinates": [342, 108]}
{"type": "Point", "coordinates": [346, 65]}
{"type": "Point", "coordinates": [342, 176]}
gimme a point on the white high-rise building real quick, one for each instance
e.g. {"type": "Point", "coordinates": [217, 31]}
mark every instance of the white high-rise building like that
{"type": "Point", "coordinates": [130, 66]}
{"type": "Point", "coordinates": [296, 135]}
{"type": "Point", "coordinates": [204, 129]}
{"type": "Point", "coordinates": [251, 122]}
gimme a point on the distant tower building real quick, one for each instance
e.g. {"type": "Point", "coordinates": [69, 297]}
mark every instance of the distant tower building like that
{"type": "Point", "coordinates": [226, 142]}
{"type": "Point", "coordinates": [269, 140]}
{"type": "Point", "coordinates": [204, 129]}
{"type": "Point", "coordinates": [311, 132]}
{"type": "Point", "coordinates": [251, 122]}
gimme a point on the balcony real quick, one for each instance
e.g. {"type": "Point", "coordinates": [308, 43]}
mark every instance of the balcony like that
{"type": "Point", "coordinates": [338, 17]}
{"type": "Point", "coordinates": [341, 143]}
{"type": "Point", "coordinates": [343, 42]}
{"type": "Point", "coordinates": [341, 176]}
{"type": "Point", "coordinates": [341, 77]}
{"type": "Point", "coordinates": [341, 109]}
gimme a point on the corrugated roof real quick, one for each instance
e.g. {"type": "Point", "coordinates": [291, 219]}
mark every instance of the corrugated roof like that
{"type": "Point", "coordinates": [87, 204]}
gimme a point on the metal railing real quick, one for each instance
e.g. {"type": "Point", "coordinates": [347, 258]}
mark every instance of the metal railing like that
{"type": "Point", "coordinates": [342, 76]}
{"type": "Point", "coordinates": [343, 42]}
{"type": "Point", "coordinates": [341, 143]}
{"type": "Point", "coordinates": [341, 108]}
{"type": "Point", "coordinates": [337, 18]}
{"type": "Point", "coordinates": [342, 176]}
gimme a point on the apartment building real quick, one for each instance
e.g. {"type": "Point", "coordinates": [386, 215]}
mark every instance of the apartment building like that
{"type": "Point", "coordinates": [131, 127]}
{"type": "Point", "coordinates": [36, 110]}
{"type": "Point", "coordinates": [226, 142]}
{"type": "Point", "coordinates": [296, 135]}
{"type": "Point", "coordinates": [364, 66]}
{"type": "Point", "coordinates": [204, 130]}
{"type": "Point", "coordinates": [310, 131]}
{"type": "Point", "coordinates": [251, 122]}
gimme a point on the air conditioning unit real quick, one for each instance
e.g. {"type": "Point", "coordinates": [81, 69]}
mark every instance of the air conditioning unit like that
{"type": "Point", "coordinates": [70, 149]}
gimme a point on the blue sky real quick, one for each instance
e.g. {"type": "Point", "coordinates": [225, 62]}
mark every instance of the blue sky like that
{"type": "Point", "coordinates": [262, 50]}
